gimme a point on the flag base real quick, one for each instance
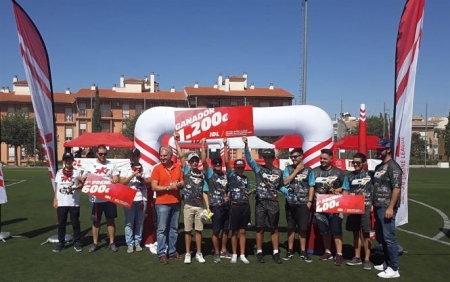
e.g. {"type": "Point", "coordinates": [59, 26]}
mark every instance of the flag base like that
{"type": "Point", "coordinates": [54, 239]}
{"type": "Point", "coordinates": [4, 235]}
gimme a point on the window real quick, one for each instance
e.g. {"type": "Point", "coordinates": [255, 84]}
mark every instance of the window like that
{"type": "Point", "coordinates": [264, 104]}
{"type": "Point", "coordinates": [23, 154]}
{"type": "Point", "coordinates": [138, 109]}
{"type": "Point", "coordinates": [213, 104]}
{"type": "Point", "coordinates": [69, 133]}
{"type": "Point", "coordinates": [82, 128]}
{"type": "Point", "coordinates": [105, 110]}
{"type": "Point", "coordinates": [82, 109]}
{"type": "Point", "coordinates": [11, 153]}
{"type": "Point", "coordinates": [286, 104]}
{"type": "Point", "coordinates": [105, 127]}
{"type": "Point", "coordinates": [125, 110]}
{"type": "Point", "coordinates": [68, 114]}
{"type": "Point", "coordinates": [11, 111]}
{"type": "Point", "coordinates": [25, 111]}
{"type": "Point", "coordinates": [233, 103]}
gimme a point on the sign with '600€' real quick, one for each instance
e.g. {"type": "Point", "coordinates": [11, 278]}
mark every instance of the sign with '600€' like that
{"type": "Point", "coordinates": [214, 123]}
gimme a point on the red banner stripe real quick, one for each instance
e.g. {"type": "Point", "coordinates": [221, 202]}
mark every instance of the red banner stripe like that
{"type": "Point", "coordinates": [316, 148]}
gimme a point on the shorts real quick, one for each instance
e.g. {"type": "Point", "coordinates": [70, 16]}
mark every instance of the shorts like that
{"type": "Point", "coordinates": [297, 216]}
{"type": "Point", "coordinates": [267, 214]}
{"type": "Point", "coordinates": [356, 222]}
{"type": "Point", "coordinates": [108, 208]}
{"type": "Point", "coordinates": [329, 223]}
{"type": "Point", "coordinates": [192, 217]}
{"type": "Point", "coordinates": [220, 218]}
{"type": "Point", "coordinates": [239, 216]}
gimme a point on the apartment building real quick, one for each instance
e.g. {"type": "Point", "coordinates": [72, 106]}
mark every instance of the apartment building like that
{"type": "Point", "coordinates": [426, 128]}
{"type": "Point", "coordinates": [132, 96]}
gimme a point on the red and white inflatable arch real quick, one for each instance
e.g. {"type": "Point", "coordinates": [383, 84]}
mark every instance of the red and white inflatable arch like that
{"type": "Point", "coordinates": [310, 122]}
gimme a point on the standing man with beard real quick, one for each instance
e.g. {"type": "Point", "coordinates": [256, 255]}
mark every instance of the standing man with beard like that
{"type": "Point", "coordinates": [167, 180]}
{"type": "Point", "coordinates": [387, 183]}
{"type": "Point", "coordinates": [298, 189]}
{"type": "Point", "coordinates": [219, 203]}
{"type": "Point", "coordinates": [269, 179]}
{"type": "Point", "coordinates": [360, 184]}
{"type": "Point", "coordinates": [104, 168]}
{"type": "Point", "coordinates": [330, 180]}
{"type": "Point", "coordinates": [195, 194]}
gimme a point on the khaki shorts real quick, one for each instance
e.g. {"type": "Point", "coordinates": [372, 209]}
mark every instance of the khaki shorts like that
{"type": "Point", "coordinates": [192, 218]}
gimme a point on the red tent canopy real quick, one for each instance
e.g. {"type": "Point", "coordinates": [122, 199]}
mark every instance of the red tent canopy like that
{"type": "Point", "coordinates": [350, 142]}
{"type": "Point", "coordinates": [289, 141]}
{"type": "Point", "coordinates": [93, 139]}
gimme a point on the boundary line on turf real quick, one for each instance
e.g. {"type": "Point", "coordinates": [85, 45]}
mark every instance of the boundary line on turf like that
{"type": "Point", "coordinates": [441, 234]}
{"type": "Point", "coordinates": [11, 184]}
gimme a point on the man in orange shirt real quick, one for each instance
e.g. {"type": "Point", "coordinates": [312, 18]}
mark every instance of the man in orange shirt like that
{"type": "Point", "coordinates": [167, 179]}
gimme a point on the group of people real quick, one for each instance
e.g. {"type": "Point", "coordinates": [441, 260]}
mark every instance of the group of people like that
{"type": "Point", "coordinates": [226, 195]}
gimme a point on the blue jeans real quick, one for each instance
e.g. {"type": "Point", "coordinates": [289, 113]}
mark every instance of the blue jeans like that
{"type": "Point", "coordinates": [385, 233]}
{"type": "Point", "coordinates": [134, 220]}
{"type": "Point", "coordinates": [167, 227]}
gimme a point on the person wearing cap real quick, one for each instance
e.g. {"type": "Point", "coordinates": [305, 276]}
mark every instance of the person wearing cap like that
{"type": "Point", "coordinates": [387, 182]}
{"type": "Point", "coordinates": [360, 184]}
{"type": "Point", "coordinates": [137, 177]}
{"type": "Point", "coordinates": [107, 169]}
{"type": "Point", "coordinates": [67, 200]}
{"type": "Point", "coordinates": [218, 202]}
{"type": "Point", "coordinates": [195, 195]}
{"type": "Point", "coordinates": [167, 181]}
{"type": "Point", "coordinates": [240, 207]}
{"type": "Point", "coordinates": [298, 189]}
{"type": "Point", "coordinates": [330, 180]}
{"type": "Point", "coordinates": [269, 180]}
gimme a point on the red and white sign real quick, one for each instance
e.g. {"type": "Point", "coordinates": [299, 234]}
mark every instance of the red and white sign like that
{"type": "Point", "coordinates": [214, 123]}
{"type": "Point", "coordinates": [349, 204]}
{"type": "Point", "coordinates": [3, 198]}
{"type": "Point", "coordinates": [103, 188]}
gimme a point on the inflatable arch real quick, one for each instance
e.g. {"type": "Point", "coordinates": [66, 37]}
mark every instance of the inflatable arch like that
{"type": "Point", "coordinates": [310, 122]}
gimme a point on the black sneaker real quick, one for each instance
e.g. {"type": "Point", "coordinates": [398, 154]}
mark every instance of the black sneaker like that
{"type": "Point", "coordinates": [276, 258]}
{"type": "Point", "coordinates": [304, 256]}
{"type": "Point", "coordinates": [78, 247]}
{"type": "Point", "coordinates": [289, 255]}
{"type": "Point", "coordinates": [58, 248]}
{"type": "Point", "coordinates": [260, 257]}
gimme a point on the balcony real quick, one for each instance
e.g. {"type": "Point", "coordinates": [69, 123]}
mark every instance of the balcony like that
{"type": "Point", "coordinates": [69, 118]}
{"type": "Point", "coordinates": [106, 113]}
{"type": "Point", "coordinates": [82, 113]}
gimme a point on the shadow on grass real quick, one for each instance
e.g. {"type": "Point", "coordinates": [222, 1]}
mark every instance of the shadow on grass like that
{"type": "Point", "coordinates": [38, 232]}
{"type": "Point", "coordinates": [12, 221]}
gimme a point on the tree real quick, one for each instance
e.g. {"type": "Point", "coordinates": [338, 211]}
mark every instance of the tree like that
{"type": "Point", "coordinates": [417, 149]}
{"type": "Point", "coordinates": [97, 115]}
{"type": "Point", "coordinates": [376, 125]}
{"type": "Point", "coordinates": [128, 126]}
{"type": "Point", "coordinates": [447, 137]}
{"type": "Point", "coordinates": [17, 130]}
{"type": "Point", "coordinates": [32, 148]}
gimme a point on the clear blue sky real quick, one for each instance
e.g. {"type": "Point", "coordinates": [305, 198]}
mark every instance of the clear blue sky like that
{"type": "Point", "coordinates": [351, 46]}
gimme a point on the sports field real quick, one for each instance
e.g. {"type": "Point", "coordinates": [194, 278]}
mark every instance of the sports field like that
{"type": "Point", "coordinates": [29, 214]}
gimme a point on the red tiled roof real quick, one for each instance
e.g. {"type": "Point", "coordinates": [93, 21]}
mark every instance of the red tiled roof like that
{"type": "Point", "coordinates": [134, 81]}
{"type": "Point", "coordinates": [257, 92]}
{"type": "Point", "coordinates": [237, 79]}
{"type": "Point", "coordinates": [108, 93]}
{"type": "Point", "coordinates": [58, 97]}
{"type": "Point", "coordinates": [21, 83]}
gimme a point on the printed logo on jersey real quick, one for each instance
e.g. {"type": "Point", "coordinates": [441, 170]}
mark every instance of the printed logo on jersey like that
{"type": "Point", "coordinates": [102, 170]}
{"type": "Point", "coordinates": [300, 177]}
{"type": "Point", "coordinates": [270, 177]}
{"type": "Point", "coordinates": [362, 181]}
{"type": "Point", "coordinates": [326, 180]}
{"type": "Point", "coordinates": [223, 182]}
{"type": "Point", "coordinates": [195, 180]}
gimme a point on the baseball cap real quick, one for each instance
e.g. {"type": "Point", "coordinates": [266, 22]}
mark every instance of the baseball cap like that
{"type": "Point", "coordinates": [67, 155]}
{"type": "Point", "coordinates": [192, 155]}
{"type": "Point", "coordinates": [384, 143]}
{"type": "Point", "coordinates": [135, 152]}
{"type": "Point", "coordinates": [268, 153]}
{"type": "Point", "coordinates": [239, 163]}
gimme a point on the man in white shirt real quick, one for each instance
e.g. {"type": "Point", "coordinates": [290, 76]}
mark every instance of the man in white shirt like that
{"type": "Point", "coordinates": [67, 200]}
{"type": "Point", "coordinates": [103, 167]}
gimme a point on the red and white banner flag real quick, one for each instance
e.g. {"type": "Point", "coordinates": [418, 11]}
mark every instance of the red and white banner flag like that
{"type": "Point", "coordinates": [37, 70]}
{"type": "Point", "coordinates": [214, 123]}
{"type": "Point", "coordinates": [3, 198]}
{"type": "Point", "coordinates": [407, 54]}
{"type": "Point", "coordinates": [348, 204]}
{"type": "Point", "coordinates": [102, 188]}
{"type": "Point", "coordinates": [362, 134]}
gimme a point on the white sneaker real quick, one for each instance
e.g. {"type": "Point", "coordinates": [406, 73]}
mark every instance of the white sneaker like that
{"type": "Point", "coordinates": [130, 249]}
{"type": "Point", "coordinates": [380, 267]}
{"type": "Point", "coordinates": [233, 259]}
{"type": "Point", "coordinates": [389, 273]}
{"type": "Point", "coordinates": [199, 258]}
{"type": "Point", "coordinates": [153, 248]}
{"type": "Point", "coordinates": [187, 258]}
{"type": "Point", "coordinates": [244, 259]}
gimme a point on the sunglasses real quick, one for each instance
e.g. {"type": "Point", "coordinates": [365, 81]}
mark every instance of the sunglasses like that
{"type": "Point", "coordinates": [239, 167]}
{"type": "Point", "coordinates": [294, 156]}
{"type": "Point", "coordinates": [102, 154]}
{"type": "Point", "coordinates": [356, 163]}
